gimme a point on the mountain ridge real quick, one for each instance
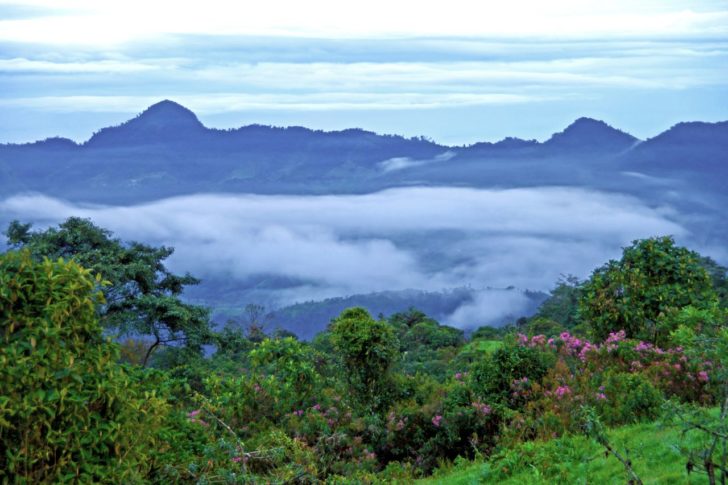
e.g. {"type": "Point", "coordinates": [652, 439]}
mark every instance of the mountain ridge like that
{"type": "Point", "coordinates": [166, 151]}
{"type": "Point", "coordinates": [168, 114]}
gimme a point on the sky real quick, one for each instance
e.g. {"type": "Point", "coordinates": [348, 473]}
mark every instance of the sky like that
{"type": "Point", "coordinates": [457, 72]}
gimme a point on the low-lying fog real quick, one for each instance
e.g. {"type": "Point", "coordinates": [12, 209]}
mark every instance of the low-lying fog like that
{"type": "Point", "coordinates": [418, 238]}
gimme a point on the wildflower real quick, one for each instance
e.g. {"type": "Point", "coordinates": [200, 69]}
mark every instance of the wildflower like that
{"type": "Point", "coordinates": [703, 376]}
{"type": "Point", "coordinates": [482, 408]}
{"type": "Point", "coordinates": [562, 391]}
{"type": "Point", "coordinates": [194, 413]}
{"type": "Point", "coordinates": [437, 420]}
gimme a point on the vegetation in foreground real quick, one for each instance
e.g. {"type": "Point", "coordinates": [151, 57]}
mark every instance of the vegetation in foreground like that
{"type": "Point", "coordinates": [104, 379]}
{"type": "Point", "coordinates": [653, 447]}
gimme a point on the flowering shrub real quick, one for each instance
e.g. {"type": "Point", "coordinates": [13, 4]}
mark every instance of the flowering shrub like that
{"type": "Point", "coordinates": [627, 380]}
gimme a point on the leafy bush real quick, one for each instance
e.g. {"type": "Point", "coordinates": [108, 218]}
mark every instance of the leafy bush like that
{"type": "Point", "coordinates": [368, 349]}
{"type": "Point", "coordinates": [68, 412]}
{"type": "Point", "coordinates": [637, 293]}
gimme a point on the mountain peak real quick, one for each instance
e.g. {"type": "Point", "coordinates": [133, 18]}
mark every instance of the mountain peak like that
{"type": "Point", "coordinates": [591, 133]}
{"type": "Point", "coordinates": [165, 114]}
{"type": "Point", "coordinates": [165, 121]}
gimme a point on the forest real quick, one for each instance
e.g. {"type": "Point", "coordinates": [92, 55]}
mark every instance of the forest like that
{"type": "Point", "coordinates": [107, 375]}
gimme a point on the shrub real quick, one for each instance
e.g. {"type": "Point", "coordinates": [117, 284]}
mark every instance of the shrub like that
{"type": "Point", "coordinates": [68, 412]}
{"type": "Point", "coordinates": [637, 293]}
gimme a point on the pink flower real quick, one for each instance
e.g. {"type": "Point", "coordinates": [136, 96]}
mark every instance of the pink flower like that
{"type": "Point", "coordinates": [601, 396]}
{"type": "Point", "coordinates": [236, 459]}
{"type": "Point", "coordinates": [437, 420]}
{"type": "Point", "coordinates": [458, 376]}
{"type": "Point", "coordinates": [194, 413]}
{"type": "Point", "coordinates": [615, 337]}
{"type": "Point", "coordinates": [562, 391]}
{"type": "Point", "coordinates": [316, 407]}
{"type": "Point", "coordinates": [482, 408]}
{"type": "Point", "coordinates": [703, 376]}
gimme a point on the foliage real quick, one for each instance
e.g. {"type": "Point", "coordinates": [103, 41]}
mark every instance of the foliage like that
{"type": "Point", "coordinates": [494, 375]}
{"type": "Point", "coordinates": [366, 401]}
{"type": "Point", "coordinates": [636, 294]}
{"type": "Point", "coordinates": [425, 345]}
{"type": "Point", "coordinates": [68, 412]}
{"type": "Point", "coordinates": [143, 297]}
{"type": "Point", "coordinates": [562, 305]}
{"type": "Point", "coordinates": [367, 349]}
{"type": "Point", "coordinates": [704, 333]}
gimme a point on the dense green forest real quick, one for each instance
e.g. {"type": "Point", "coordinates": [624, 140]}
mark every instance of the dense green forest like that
{"type": "Point", "coordinates": [108, 376]}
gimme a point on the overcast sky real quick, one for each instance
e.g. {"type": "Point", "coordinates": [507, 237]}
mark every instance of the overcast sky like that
{"type": "Point", "coordinates": [457, 71]}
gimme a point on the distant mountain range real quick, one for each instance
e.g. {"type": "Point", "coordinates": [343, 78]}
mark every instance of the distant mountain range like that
{"type": "Point", "coordinates": [166, 151]}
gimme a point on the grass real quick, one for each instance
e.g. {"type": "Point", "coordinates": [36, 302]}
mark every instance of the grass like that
{"type": "Point", "coordinates": [484, 346]}
{"type": "Point", "coordinates": [652, 448]}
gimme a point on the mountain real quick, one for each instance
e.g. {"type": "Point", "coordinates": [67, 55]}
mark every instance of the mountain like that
{"type": "Point", "coordinates": [166, 151]}
{"type": "Point", "coordinates": [593, 135]}
{"type": "Point", "coordinates": [162, 122]}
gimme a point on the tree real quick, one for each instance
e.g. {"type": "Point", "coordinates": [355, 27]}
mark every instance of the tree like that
{"type": "Point", "coordinates": [142, 297]}
{"type": "Point", "coordinates": [367, 348]}
{"type": "Point", "coordinates": [68, 411]}
{"type": "Point", "coordinates": [640, 292]}
{"type": "Point", "coordinates": [562, 305]}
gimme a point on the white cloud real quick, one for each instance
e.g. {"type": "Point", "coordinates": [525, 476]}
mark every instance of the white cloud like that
{"type": "Point", "coordinates": [100, 66]}
{"type": "Point", "coordinates": [233, 102]}
{"type": "Point", "coordinates": [420, 238]}
{"type": "Point", "coordinates": [103, 23]}
{"type": "Point", "coordinates": [400, 163]}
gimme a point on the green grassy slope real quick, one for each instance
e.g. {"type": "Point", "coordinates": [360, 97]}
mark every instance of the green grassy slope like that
{"type": "Point", "coordinates": [652, 448]}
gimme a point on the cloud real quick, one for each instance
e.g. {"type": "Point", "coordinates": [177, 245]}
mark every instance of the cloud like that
{"type": "Point", "coordinates": [399, 163]}
{"type": "Point", "coordinates": [233, 102]}
{"type": "Point", "coordinates": [101, 66]}
{"type": "Point", "coordinates": [489, 306]}
{"type": "Point", "coordinates": [109, 23]}
{"type": "Point", "coordinates": [411, 238]}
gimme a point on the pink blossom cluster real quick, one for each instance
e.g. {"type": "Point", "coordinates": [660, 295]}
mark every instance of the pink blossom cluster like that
{"type": "Point", "coordinates": [535, 341]}
{"type": "Point", "coordinates": [437, 420]}
{"type": "Point", "coordinates": [562, 391]}
{"type": "Point", "coordinates": [482, 408]}
{"type": "Point", "coordinates": [192, 416]}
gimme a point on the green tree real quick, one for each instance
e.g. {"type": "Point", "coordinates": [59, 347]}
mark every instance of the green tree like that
{"type": "Point", "coordinates": [639, 293]}
{"type": "Point", "coordinates": [290, 366]}
{"type": "Point", "coordinates": [368, 349]}
{"type": "Point", "coordinates": [68, 411]}
{"type": "Point", "coordinates": [143, 297]}
{"type": "Point", "coordinates": [562, 305]}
